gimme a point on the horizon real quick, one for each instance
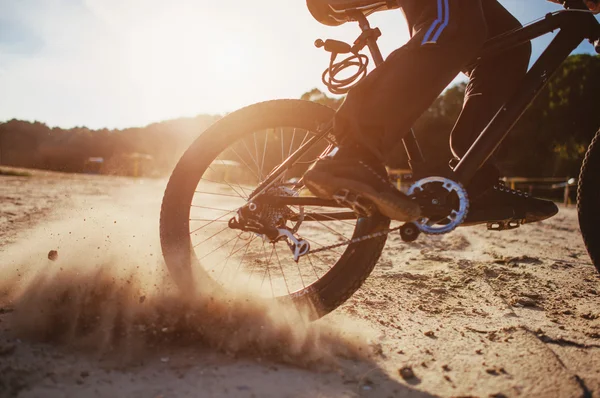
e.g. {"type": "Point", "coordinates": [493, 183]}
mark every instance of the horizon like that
{"type": "Point", "coordinates": [131, 63]}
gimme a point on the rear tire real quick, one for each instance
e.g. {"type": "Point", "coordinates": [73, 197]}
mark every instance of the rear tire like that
{"type": "Point", "coordinates": [323, 295]}
{"type": "Point", "coordinates": [588, 200]}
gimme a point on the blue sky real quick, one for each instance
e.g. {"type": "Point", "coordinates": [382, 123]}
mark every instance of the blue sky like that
{"type": "Point", "coordinates": [121, 63]}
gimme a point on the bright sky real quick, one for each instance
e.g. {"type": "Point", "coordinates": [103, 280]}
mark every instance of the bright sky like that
{"type": "Point", "coordinates": [121, 63]}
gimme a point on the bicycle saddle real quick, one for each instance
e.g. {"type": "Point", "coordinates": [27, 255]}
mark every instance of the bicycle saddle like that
{"type": "Point", "coordinates": [337, 12]}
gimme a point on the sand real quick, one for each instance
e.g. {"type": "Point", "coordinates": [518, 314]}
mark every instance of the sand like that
{"type": "Point", "coordinates": [472, 313]}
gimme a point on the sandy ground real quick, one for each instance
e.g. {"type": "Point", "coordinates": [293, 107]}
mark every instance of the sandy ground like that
{"type": "Point", "coordinates": [470, 314]}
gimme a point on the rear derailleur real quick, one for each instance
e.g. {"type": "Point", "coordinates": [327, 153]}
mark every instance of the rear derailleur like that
{"type": "Point", "coordinates": [271, 226]}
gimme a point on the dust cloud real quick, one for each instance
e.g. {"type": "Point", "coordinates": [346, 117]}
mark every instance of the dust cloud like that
{"type": "Point", "coordinates": [105, 289]}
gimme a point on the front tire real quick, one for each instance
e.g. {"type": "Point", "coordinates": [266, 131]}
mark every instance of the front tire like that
{"type": "Point", "coordinates": [588, 200]}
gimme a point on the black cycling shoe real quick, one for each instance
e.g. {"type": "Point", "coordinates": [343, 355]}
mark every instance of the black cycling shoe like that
{"type": "Point", "coordinates": [500, 204]}
{"type": "Point", "coordinates": [355, 184]}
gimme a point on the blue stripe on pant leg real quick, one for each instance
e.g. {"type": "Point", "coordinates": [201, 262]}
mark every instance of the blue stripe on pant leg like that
{"type": "Point", "coordinates": [446, 21]}
{"type": "Point", "coordinates": [435, 23]}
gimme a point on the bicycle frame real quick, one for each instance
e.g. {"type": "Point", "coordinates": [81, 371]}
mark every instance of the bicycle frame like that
{"type": "Point", "coordinates": [575, 24]}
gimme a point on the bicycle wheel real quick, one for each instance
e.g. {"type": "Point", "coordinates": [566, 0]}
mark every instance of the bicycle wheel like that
{"type": "Point", "coordinates": [588, 200]}
{"type": "Point", "coordinates": [213, 180]}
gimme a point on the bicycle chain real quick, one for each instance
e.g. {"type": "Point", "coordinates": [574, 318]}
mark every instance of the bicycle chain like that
{"type": "Point", "coordinates": [355, 240]}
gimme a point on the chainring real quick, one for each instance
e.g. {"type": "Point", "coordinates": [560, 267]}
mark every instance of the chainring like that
{"type": "Point", "coordinates": [440, 194]}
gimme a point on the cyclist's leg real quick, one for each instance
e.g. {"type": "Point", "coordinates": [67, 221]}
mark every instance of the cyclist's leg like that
{"type": "Point", "coordinates": [492, 81]}
{"type": "Point", "coordinates": [375, 115]}
{"type": "Point", "coordinates": [446, 34]}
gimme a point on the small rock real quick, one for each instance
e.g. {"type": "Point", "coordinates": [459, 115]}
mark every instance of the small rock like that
{"type": "Point", "coordinates": [493, 372]}
{"type": "Point", "coordinates": [164, 359]}
{"type": "Point", "coordinates": [407, 373]}
{"type": "Point", "coordinates": [429, 333]}
{"type": "Point", "coordinates": [52, 255]}
{"type": "Point", "coordinates": [142, 299]}
{"type": "Point", "coordinates": [589, 316]}
{"type": "Point", "coordinates": [446, 368]}
{"type": "Point", "coordinates": [524, 301]}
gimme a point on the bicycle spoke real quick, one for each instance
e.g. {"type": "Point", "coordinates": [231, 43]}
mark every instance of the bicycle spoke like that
{"type": "Point", "coordinates": [219, 194]}
{"type": "Point", "coordinates": [281, 138]}
{"type": "Point", "coordinates": [244, 255]}
{"type": "Point", "coordinates": [230, 254]}
{"type": "Point", "coordinates": [255, 161]}
{"type": "Point", "coordinates": [256, 152]}
{"type": "Point", "coordinates": [209, 208]}
{"type": "Point", "coordinates": [221, 182]}
{"type": "Point", "coordinates": [224, 244]}
{"type": "Point", "coordinates": [206, 219]}
{"type": "Point", "coordinates": [292, 142]}
{"type": "Point", "coordinates": [244, 196]}
{"type": "Point", "coordinates": [321, 258]}
{"type": "Point", "coordinates": [212, 236]}
{"type": "Point", "coordinates": [268, 271]}
{"type": "Point", "coordinates": [313, 267]}
{"type": "Point", "coordinates": [245, 164]}
{"type": "Point", "coordinates": [281, 268]}
{"type": "Point", "coordinates": [332, 230]}
{"type": "Point", "coordinates": [213, 221]}
{"type": "Point", "coordinates": [264, 152]}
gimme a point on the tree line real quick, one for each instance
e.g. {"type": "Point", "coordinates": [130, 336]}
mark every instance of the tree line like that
{"type": "Point", "coordinates": [549, 140]}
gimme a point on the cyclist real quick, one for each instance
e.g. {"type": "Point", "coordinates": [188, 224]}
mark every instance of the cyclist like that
{"type": "Point", "coordinates": [446, 35]}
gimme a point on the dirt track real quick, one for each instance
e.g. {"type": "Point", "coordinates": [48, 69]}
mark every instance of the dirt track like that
{"type": "Point", "coordinates": [473, 313]}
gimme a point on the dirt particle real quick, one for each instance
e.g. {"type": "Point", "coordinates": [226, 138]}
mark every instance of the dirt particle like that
{"type": "Point", "coordinates": [52, 255]}
{"type": "Point", "coordinates": [446, 368]}
{"type": "Point", "coordinates": [524, 302]}
{"type": "Point", "coordinates": [407, 373]}
{"type": "Point", "coordinates": [84, 374]}
{"type": "Point", "coordinates": [429, 333]}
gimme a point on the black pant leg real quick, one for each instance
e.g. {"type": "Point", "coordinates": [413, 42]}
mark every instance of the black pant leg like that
{"type": "Point", "coordinates": [381, 109]}
{"type": "Point", "coordinates": [492, 80]}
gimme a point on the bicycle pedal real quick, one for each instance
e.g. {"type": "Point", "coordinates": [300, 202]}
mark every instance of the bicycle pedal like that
{"type": "Point", "coordinates": [504, 225]}
{"type": "Point", "coordinates": [355, 202]}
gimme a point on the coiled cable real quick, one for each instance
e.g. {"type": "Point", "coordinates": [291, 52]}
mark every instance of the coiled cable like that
{"type": "Point", "coordinates": [340, 86]}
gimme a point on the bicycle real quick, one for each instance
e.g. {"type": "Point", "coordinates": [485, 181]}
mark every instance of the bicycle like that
{"type": "Point", "coordinates": [235, 206]}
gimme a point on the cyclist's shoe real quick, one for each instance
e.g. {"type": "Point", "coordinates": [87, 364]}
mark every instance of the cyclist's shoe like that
{"type": "Point", "coordinates": [500, 204]}
{"type": "Point", "coordinates": [359, 185]}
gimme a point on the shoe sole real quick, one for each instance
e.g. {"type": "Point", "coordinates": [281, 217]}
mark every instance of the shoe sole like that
{"type": "Point", "coordinates": [326, 186]}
